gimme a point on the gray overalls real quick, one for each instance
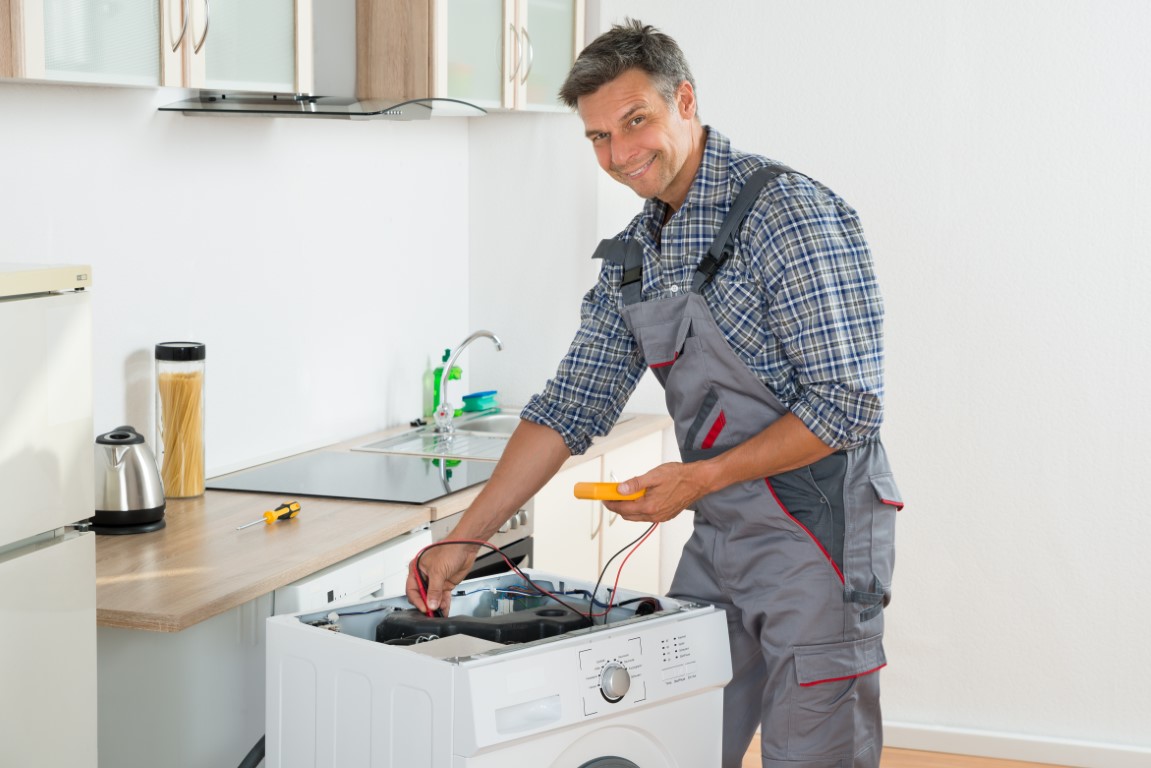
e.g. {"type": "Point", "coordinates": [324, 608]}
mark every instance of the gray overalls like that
{"type": "Point", "coordinates": [801, 562]}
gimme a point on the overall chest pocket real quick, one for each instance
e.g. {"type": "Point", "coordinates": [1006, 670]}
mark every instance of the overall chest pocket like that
{"type": "Point", "coordinates": [663, 342]}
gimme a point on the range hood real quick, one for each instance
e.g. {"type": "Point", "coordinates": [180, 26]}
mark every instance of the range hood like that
{"type": "Point", "coordinates": [306, 105]}
{"type": "Point", "coordinates": [346, 54]}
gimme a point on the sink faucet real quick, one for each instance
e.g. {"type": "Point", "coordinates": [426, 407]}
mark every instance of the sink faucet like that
{"type": "Point", "coordinates": [445, 412]}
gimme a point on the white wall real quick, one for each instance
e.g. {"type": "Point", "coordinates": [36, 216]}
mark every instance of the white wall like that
{"type": "Point", "coordinates": [531, 198]}
{"type": "Point", "coordinates": [313, 257]}
{"type": "Point", "coordinates": [998, 155]}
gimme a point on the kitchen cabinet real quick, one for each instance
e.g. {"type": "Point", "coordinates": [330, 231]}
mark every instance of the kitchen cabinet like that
{"type": "Point", "coordinates": [183, 699]}
{"type": "Point", "coordinates": [577, 537]}
{"type": "Point", "coordinates": [237, 45]}
{"type": "Point", "coordinates": [497, 54]}
{"type": "Point", "coordinates": [80, 41]}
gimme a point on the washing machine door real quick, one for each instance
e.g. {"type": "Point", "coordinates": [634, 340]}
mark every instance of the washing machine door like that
{"type": "Point", "coordinates": [618, 746]}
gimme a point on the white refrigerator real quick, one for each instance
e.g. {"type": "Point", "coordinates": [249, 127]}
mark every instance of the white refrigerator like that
{"type": "Point", "coordinates": [47, 566]}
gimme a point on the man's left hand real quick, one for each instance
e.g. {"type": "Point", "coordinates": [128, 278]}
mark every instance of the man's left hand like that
{"type": "Point", "coordinates": [670, 489]}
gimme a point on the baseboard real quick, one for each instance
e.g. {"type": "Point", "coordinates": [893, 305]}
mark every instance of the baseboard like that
{"type": "Point", "coordinates": [1007, 746]}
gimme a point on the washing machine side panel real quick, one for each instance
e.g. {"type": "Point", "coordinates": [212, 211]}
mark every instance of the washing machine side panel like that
{"type": "Point", "coordinates": [335, 700]}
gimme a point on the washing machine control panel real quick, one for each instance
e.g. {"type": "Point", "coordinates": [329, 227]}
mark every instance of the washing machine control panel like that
{"type": "Point", "coordinates": [621, 670]}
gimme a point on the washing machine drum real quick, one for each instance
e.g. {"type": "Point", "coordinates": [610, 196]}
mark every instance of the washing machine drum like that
{"type": "Point", "coordinates": [609, 762]}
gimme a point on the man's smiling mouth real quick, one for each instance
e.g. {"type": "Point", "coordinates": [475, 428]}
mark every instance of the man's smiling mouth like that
{"type": "Point", "coordinates": [638, 171]}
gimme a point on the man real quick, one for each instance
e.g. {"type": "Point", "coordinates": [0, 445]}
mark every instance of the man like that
{"type": "Point", "coordinates": [770, 351]}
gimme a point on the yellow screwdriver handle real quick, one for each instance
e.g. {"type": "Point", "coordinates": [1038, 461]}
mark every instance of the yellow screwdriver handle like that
{"type": "Point", "coordinates": [283, 512]}
{"type": "Point", "coordinates": [605, 492]}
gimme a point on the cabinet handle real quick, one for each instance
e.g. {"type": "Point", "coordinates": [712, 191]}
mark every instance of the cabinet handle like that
{"type": "Point", "coordinates": [183, 27]}
{"type": "Point", "coordinates": [207, 20]}
{"type": "Point", "coordinates": [519, 53]}
{"type": "Point", "coordinates": [599, 510]}
{"type": "Point", "coordinates": [531, 54]}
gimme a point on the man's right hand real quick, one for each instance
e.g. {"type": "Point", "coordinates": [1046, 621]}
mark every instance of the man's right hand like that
{"type": "Point", "coordinates": [444, 565]}
{"type": "Point", "coordinates": [533, 454]}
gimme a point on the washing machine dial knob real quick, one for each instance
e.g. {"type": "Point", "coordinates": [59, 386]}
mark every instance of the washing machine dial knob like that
{"type": "Point", "coordinates": [614, 681]}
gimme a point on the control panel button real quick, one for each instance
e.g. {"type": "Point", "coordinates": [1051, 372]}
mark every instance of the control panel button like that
{"type": "Point", "coordinates": [614, 681]}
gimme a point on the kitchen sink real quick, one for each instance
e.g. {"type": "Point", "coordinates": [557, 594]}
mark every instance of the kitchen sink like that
{"type": "Point", "coordinates": [495, 422]}
{"type": "Point", "coordinates": [425, 441]}
{"type": "Point", "coordinates": [481, 435]}
{"type": "Point", "coordinates": [499, 421]}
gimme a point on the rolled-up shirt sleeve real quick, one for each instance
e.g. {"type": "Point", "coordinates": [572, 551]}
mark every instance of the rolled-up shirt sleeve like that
{"type": "Point", "coordinates": [825, 311]}
{"type": "Point", "coordinates": [597, 375]}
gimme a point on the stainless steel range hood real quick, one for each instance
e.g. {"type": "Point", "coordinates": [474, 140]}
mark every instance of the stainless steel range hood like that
{"type": "Point", "coordinates": [345, 54]}
{"type": "Point", "coordinates": [304, 105]}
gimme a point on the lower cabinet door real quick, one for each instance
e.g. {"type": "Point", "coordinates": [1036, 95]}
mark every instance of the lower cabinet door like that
{"type": "Point", "coordinates": [641, 571]}
{"type": "Point", "coordinates": [566, 536]}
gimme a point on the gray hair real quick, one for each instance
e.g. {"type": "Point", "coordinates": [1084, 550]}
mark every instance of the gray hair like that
{"type": "Point", "coordinates": [631, 45]}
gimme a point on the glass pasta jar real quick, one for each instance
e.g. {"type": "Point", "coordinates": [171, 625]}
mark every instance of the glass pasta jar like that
{"type": "Point", "coordinates": [180, 417]}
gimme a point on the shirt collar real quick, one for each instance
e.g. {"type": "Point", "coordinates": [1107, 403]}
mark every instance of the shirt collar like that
{"type": "Point", "coordinates": [708, 189]}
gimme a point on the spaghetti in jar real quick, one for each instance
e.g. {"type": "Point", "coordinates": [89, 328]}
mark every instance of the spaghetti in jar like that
{"type": "Point", "coordinates": [180, 417]}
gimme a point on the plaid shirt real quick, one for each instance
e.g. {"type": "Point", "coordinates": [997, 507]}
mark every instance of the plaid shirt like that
{"type": "Point", "coordinates": [797, 301]}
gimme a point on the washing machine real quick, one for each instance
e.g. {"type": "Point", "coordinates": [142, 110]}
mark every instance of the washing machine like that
{"type": "Point", "coordinates": [527, 670]}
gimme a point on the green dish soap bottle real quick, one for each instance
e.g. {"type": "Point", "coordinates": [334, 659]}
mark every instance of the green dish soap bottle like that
{"type": "Point", "coordinates": [432, 387]}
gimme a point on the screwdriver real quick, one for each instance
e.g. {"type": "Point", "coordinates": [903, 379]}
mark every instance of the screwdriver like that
{"type": "Point", "coordinates": [285, 511]}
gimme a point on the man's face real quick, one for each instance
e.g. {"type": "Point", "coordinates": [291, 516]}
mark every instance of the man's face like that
{"type": "Point", "coordinates": [639, 139]}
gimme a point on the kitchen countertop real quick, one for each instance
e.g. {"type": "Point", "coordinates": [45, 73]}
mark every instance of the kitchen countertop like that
{"type": "Point", "coordinates": [199, 565]}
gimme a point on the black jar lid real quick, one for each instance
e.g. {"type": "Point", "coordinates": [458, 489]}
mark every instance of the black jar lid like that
{"type": "Point", "coordinates": [180, 351]}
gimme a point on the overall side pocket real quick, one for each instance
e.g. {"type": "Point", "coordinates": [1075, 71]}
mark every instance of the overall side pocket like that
{"type": "Point", "coordinates": [812, 497]}
{"type": "Point", "coordinates": [888, 500]}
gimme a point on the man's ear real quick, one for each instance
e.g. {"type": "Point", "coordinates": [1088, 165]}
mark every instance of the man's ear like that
{"type": "Point", "coordinates": [685, 100]}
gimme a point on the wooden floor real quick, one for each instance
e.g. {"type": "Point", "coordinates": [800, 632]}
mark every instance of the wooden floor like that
{"type": "Point", "coordinates": [907, 758]}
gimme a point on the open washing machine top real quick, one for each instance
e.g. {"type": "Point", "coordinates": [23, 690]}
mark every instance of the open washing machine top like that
{"type": "Point", "coordinates": [499, 614]}
{"type": "Point", "coordinates": [508, 671]}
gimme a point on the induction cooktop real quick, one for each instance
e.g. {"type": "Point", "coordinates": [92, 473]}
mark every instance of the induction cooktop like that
{"type": "Point", "coordinates": [358, 475]}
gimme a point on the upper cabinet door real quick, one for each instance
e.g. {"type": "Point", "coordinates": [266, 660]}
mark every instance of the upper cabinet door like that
{"type": "Point", "coordinates": [503, 54]}
{"type": "Point", "coordinates": [472, 58]}
{"type": "Point", "coordinates": [82, 41]}
{"type": "Point", "coordinates": [250, 45]}
{"type": "Point", "coordinates": [551, 35]}
{"type": "Point", "coordinates": [238, 45]}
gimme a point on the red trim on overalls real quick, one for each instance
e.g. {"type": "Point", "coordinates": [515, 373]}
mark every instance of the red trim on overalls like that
{"type": "Point", "coordinates": [713, 433]}
{"type": "Point", "coordinates": [845, 677]}
{"type": "Point", "coordinates": [806, 530]}
{"type": "Point", "coordinates": [666, 364]}
{"type": "Point", "coordinates": [890, 502]}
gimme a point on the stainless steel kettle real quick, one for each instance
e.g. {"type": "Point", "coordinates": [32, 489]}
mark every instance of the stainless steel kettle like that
{"type": "Point", "coordinates": [129, 491]}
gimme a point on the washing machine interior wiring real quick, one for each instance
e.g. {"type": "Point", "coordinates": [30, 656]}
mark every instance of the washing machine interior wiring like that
{"type": "Point", "coordinates": [632, 547]}
{"type": "Point", "coordinates": [591, 615]}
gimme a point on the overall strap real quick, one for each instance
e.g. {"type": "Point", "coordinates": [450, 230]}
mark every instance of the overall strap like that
{"type": "Point", "coordinates": [724, 243]}
{"type": "Point", "coordinates": [628, 254]}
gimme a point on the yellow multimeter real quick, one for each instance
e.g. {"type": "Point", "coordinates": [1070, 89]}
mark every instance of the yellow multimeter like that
{"type": "Point", "coordinates": [605, 492]}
